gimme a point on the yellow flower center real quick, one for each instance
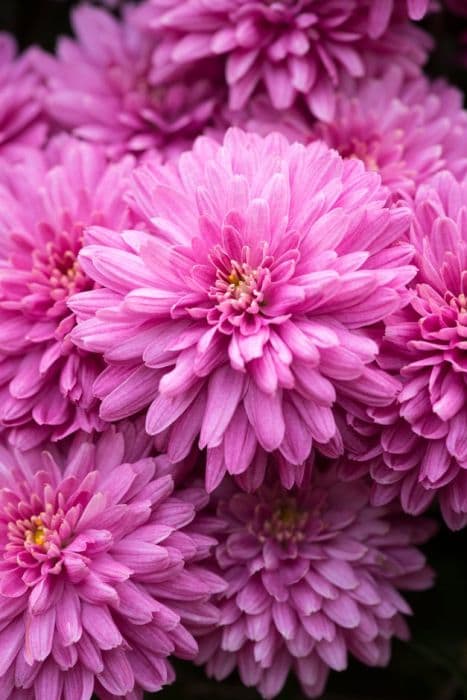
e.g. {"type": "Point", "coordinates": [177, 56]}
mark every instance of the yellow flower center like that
{"type": "Point", "coordinates": [233, 278]}
{"type": "Point", "coordinates": [38, 534]}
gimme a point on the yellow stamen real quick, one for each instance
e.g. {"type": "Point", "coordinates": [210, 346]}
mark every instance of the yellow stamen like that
{"type": "Point", "coordinates": [39, 532]}
{"type": "Point", "coordinates": [233, 278]}
{"type": "Point", "coordinates": [39, 536]}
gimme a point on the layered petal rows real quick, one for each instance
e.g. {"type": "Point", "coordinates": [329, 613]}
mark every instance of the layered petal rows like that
{"type": "Point", "coordinates": [312, 576]}
{"type": "Point", "coordinates": [101, 86]}
{"type": "Point", "coordinates": [424, 438]}
{"type": "Point", "coordinates": [100, 579]}
{"type": "Point", "coordinates": [22, 118]}
{"type": "Point", "coordinates": [246, 313]}
{"type": "Point", "coordinates": [406, 130]}
{"type": "Point", "coordinates": [233, 339]}
{"type": "Point", "coordinates": [47, 200]}
{"type": "Point", "coordinates": [294, 48]}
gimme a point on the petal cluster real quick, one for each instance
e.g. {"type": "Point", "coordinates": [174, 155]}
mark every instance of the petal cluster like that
{"type": "Point", "coordinates": [100, 579]}
{"type": "Point", "coordinates": [407, 130]}
{"type": "Point", "coordinates": [46, 200]}
{"type": "Point", "coordinates": [416, 449]}
{"type": "Point", "coordinates": [250, 308]}
{"type": "Point", "coordinates": [292, 47]}
{"type": "Point", "coordinates": [22, 121]}
{"type": "Point", "coordinates": [101, 87]}
{"type": "Point", "coordinates": [233, 339]}
{"type": "Point", "coordinates": [312, 576]}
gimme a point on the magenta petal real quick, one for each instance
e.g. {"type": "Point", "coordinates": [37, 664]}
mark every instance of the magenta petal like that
{"type": "Point", "coordinates": [98, 622]}
{"type": "Point", "coordinates": [265, 414]}
{"type": "Point", "coordinates": [11, 639]}
{"type": "Point", "coordinates": [39, 635]}
{"type": "Point", "coordinates": [333, 653]}
{"type": "Point", "coordinates": [224, 391]}
{"type": "Point", "coordinates": [343, 611]}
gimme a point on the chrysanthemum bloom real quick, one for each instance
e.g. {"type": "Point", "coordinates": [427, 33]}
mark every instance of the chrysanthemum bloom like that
{"type": "Point", "coordinates": [21, 120]}
{"type": "Point", "coordinates": [292, 47]}
{"type": "Point", "coordinates": [407, 130]}
{"type": "Point", "coordinates": [45, 382]}
{"type": "Point", "coordinates": [243, 315]}
{"type": "Point", "coordinates": [382, 444]}
{"type": "Point", "coordinates": [100, 573]}
{"type": "Point", "coordinates": [312, 575]}
{"type": "Point", "coordinates": [100, 86]}
{"type": "Point", "coordinates": [424, 443]}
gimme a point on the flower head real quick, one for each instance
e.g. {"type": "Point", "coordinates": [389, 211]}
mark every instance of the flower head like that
{"type": "Point", "coordinates": [100, 86]}
{"type": "Point", "coordinates": [247, 312]}
{"type": "Point", "coordinates": [45, 382]}
{"type": "Point", "coordinates": [423, 440]}
{"type": "Point", "coordinates": [293, 47]}
{"type": "Point", "coordinates": [22, 121]}
{"type": "Point", "coordinates": [312, 575]}
{"type": "Point", "coordinates": [406, 130]}
{"type": "Point", "coordinates": [99, 573]}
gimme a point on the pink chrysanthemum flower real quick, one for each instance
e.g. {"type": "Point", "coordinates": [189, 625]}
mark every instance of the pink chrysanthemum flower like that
{"type": "Point", "coordinates": [382, 444]}
{"type": "Point", "coordinates": [293, 47]}
{"type": "Point", "coordinates": [424, 441]}
{"type": "Point", "coordinates": [407, 130]}
{"type": "Point", "coordinates": [100, 86]}
{"type": "Point", "coordinates": [247, 311]}
{"type": "Point", "coordinates": [100, 579]}
{"type": "Point", "coordinates": [45, 382]}
{"type": "Point", "coordinates": [22, 122]}
{"type": "Point", "coordinates": [312, 575]}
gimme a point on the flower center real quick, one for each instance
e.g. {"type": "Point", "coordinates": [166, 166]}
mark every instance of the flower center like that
{"type": "Point", "coordinates": [57, 275]}
{"type": "Point", "coordinates": [38, 534]}
{"type": "Point", "coordinates": [286, 522]}
{"type": "Point", "coordinates": [64, 271]}
{"type": "Point", "coordinates": [241, 288]}
{"type": "Point", "coordinates": [144, 92]}
{"type": "Point", "coordinates": [458, 303]}
{"type": "Point", "coordinates": [362, 150]}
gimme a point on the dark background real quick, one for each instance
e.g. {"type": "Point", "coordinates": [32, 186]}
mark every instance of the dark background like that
{"type": "Point", "coordinates": [433, 666]}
